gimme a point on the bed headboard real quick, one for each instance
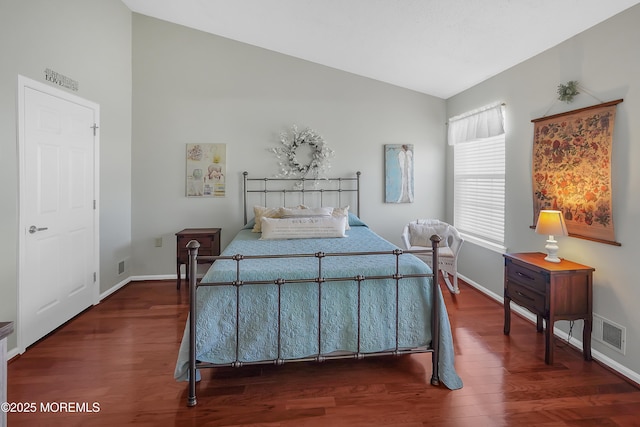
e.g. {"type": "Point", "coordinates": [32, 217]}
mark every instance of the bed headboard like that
{"type": "Point", "coordinates": [337, 192]}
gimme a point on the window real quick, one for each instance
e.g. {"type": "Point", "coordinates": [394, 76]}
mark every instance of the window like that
{"type": "Point", "coordinates": [478, 202]}
{"type": "Point", "coordinates": [479, 176]}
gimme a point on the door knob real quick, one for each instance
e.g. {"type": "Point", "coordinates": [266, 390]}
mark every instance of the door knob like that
{"type": "Point", "coordinates": [33, 229]}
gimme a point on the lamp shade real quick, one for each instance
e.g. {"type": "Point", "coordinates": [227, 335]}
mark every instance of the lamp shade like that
{"type": "Point", "coordinates": [551, 223]}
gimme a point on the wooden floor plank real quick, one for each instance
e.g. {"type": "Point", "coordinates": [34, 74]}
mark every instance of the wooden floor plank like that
{"type": "Point", "coordinates": [121, 355]}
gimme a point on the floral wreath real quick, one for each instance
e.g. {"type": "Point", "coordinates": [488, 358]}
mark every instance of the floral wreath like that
{"type": "Point", "coordinates": [289, 163]}
{"type": "Point", "coordinates": [567, 92]}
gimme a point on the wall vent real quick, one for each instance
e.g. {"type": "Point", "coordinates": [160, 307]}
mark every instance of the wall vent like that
{"type": "Point", "coordinates": [609, 333]}
{"type": "Point", "coordinates": [121, 267]}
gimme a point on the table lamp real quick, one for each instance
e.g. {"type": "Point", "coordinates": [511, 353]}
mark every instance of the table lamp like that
{"type": "Point", "coordinates": [551, 223]}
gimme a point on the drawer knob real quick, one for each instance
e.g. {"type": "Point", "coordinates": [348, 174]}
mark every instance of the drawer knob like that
{"type": "Point", "coordinates": [524, 296]}
{"type": "Point", "coordinates": [521, 274]}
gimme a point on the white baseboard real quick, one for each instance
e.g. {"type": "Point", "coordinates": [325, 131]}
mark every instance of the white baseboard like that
{"type": "Point", "coordinates": [161, 277]}
{"type": "Point", "coordinates": [140, 279]}
{"type": "Point", "coordinates": [604, 359]}
{"type": "Point", "coordinates": [114, 288]}
{"type": "Point", "coordinates": [11, 353]}
{"type": "Point", "coordinates": [155, 277]}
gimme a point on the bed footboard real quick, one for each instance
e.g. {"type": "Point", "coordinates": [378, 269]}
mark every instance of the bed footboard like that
{"type": "Point", "coordinates": [396, 276]}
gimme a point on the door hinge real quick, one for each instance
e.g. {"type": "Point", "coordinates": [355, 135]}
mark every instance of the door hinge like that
{"type": "Point", "coordinates": [94, 205]}
{"type": "Point", "coordinates": [94, 277]}
{"type": "Point", "coordinates": [94, 127]}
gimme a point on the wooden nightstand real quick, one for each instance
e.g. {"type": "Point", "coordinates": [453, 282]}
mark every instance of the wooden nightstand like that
{"type": "Point", "coordinates": [209, 239]}
{"type": "Point", "coordinates": [552, 291]}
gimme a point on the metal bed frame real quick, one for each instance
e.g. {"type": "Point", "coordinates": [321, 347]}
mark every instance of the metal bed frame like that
{"type": "Point", "coordinates": [193, 246]}
{"type": "Point", "coordinates": [301, 187]}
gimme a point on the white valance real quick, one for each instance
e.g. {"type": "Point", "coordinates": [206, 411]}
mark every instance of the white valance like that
{"type": "Point", "coordinates": [484, 122]}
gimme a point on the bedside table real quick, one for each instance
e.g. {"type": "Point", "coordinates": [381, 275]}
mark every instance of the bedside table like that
{"type": "Point", "coordinates": [209, 239]}
{"type": "Point", "coordinates": [552, 291]}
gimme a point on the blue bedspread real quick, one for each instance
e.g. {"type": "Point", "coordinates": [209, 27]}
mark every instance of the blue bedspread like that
{"type": "Point", "coordinates": [216, 306]}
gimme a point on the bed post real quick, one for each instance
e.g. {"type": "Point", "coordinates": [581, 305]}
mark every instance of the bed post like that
{"type": "Point", "coordinates": [244, 195]}
{"type": "Point", "coordinates": [435, 313]}
{"type": "Point", "coordinates": [358, 193]}
{"type": "Point", "coordinates": [192, 247]}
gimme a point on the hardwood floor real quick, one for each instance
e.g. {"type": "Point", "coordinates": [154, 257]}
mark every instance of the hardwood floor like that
{"type": "Point", "coordinates": [121, 355]}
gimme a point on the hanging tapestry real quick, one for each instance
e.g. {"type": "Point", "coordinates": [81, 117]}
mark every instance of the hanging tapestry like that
{"type": "Point", "coordinates": [572, 169]}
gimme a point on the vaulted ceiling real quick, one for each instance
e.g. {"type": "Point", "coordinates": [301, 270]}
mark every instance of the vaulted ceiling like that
{"type": "Point", "coordinates": [437, 47]}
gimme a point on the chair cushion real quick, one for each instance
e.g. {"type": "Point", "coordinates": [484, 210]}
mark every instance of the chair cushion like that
{"type": "Point", "coordinates": [445, 252]}
{"type": "Point", "coordinates": [420, 234]}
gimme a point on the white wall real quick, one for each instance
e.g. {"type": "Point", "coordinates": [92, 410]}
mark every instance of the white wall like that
{"type": "Point", "coordinates": [193, 87]}
{"type": "Point", "coordinates": [91, 43]}
{"type": "Point", "coordinates": [606, 61]}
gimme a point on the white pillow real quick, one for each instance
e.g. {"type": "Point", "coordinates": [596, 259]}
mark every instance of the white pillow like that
{"type": "Point", "coordinates": [312, 212]}
{"type": "Point", "coordinates": [264, 212]}
{"type": "Point", "coordinates": [339, 212]}
{"type": "Point", "coordinates": [420, 234]}
{"type": "Point", "coordinates": [306, 212]}
{"type": "Point", "coordinates": [302, 228]}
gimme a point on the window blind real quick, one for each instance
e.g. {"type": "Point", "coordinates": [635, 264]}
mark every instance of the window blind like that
{"type": "Point", "coordinates": [479, 188]}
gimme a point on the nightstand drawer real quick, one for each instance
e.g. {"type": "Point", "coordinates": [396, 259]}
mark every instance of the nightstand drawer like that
{"type": "Point", "coordinates": [206, 242]}
{"type": "Point", "coordinates": [526, 277]}
{"type": "Point", "coordinates": [209, 245]}
{"type": "Point", "coordinates": [525, 297]}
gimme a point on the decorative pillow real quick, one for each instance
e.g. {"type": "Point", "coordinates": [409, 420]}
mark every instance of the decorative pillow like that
{"type": "Point", "coordinates": [302, 228]}
{"type": "Point", "coordinates": [420, 234]}
{"type": "Point", "coordinates": [314, 212]}
{"type": "Point", "coordinates": [305, 212]}
{"type": "Point", "coordinates": [339, 212]}
{"type": "Point", "coordinates": [264, 212]}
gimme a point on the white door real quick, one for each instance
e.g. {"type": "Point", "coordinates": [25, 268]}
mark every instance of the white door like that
{"type": "Point", "coordinates": [58, 219]}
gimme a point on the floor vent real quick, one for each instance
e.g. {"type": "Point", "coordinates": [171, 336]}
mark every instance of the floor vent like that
{"type": "Point", "coordinates": [610, 333]}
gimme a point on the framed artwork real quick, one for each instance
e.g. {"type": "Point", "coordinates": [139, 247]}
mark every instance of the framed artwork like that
{"type": "Point", "coordinates": [206, 170]}
{"type": "Point", "coordinates": [398, 161]}
{"type": "Point", "coordinates": [572, 169]}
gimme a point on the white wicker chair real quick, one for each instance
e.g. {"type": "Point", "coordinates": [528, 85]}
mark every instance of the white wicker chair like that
{"type": "Point", "coordinates": [416, 236]}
